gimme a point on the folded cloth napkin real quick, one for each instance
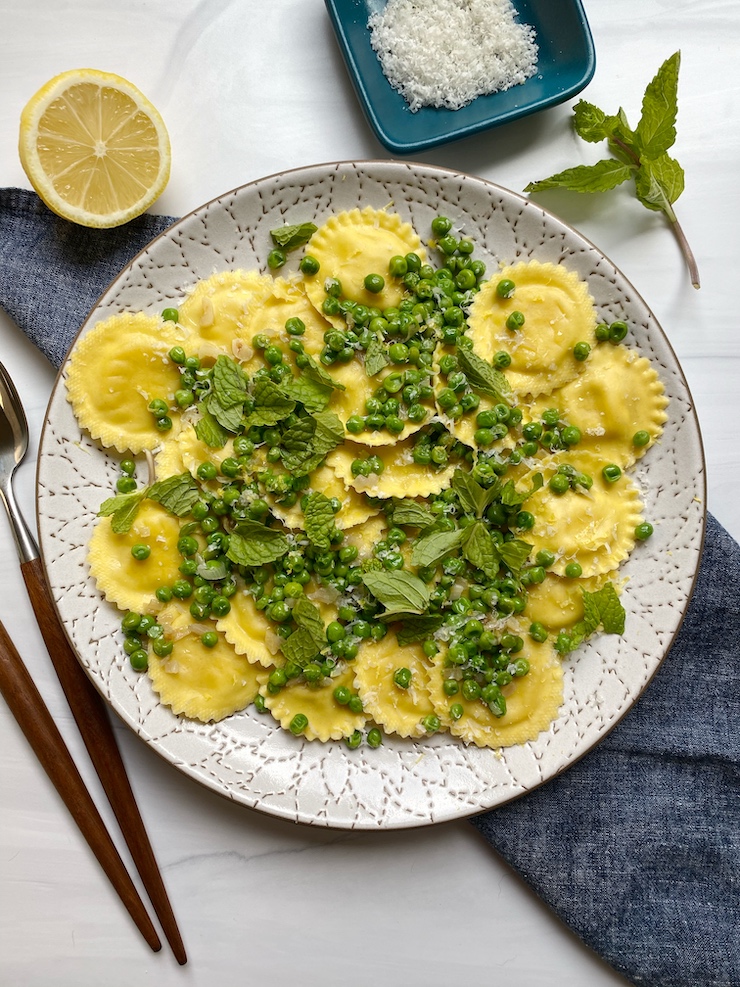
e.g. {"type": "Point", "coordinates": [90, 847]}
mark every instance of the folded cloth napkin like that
{"type": "Point", "coordinates": [637, 846]}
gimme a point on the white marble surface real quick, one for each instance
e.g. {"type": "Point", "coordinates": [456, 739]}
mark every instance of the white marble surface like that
{"type": "Point", "coordinates": [248, 89]}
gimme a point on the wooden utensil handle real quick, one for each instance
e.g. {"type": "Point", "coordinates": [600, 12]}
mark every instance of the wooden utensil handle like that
{"type": "Point", "coordinates": [91, 716]}
{"type": "Point", "coordinates": [34, 719]}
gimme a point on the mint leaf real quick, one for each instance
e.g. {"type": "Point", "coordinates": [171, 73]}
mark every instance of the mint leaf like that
{"type": "Point", "coordinates": [606, 603]}
{"type": "Point", "coordinates": [511, 497]}
{"type": "Point", "coordinates": [591, 123]}
{"type": "Point", "coordinates": [659, 183]}
{"type": "Point", "coordinates": [307, 617]}
{"type": "Point", "coordinates": [299, 647]}
{"type": "Point", "coordinates": [432, 548]}
{"type": "Point", "coordinates": [309, 391]}
{"type": "Point", "coordinates": [640, 154]}
{"type": "Point", "coordinates": [319, 518]}
{"type": "Point", "coordinates": [656, 131]}
{"type": "Point", "coordinates": [229, 419]}
{"type": "Point", "coordinates": [482, 376]}
{"type": "Point", "coordinates": [376, 358]}
{"type": "Point", "coordinates": [307, 442]}
{"type": "Point", "coordinates": [398, 592]}
{"type": "Point", "coordinates": [480, 550]}
{"type": "Point", "coordinates": [591, 612]}
{"type": "Point", "coordinates": [271, 405]}
{"type": "Point", "coordinates": [408, 512]}
{"type": "Point", "coordinates": [209, 430]}
{"type": "Point", "coordinates": [229, 382]}
{"type": "Point", "coordinates": [600, 177]}
{"type": "Point", "coordinates": [418, 628]}
{"type": "Point", "coordinates": [123, 509]}
{"type": "Point", "coordinates": [314, 369]}
{"type": "Point", "coordinates": [473, 497]}
{"type": "Point", "coordinates": [291, 236]}
{"type": "Point", "coordinates": [177, 494]}
{"type": "Point", "coordinates": [253, 544]}
{"type": "Point", "coordinates": [514, 554]}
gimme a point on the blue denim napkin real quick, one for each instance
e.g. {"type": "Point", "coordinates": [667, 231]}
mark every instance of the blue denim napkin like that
{"type": "Point", "coordinates": [637, 846]}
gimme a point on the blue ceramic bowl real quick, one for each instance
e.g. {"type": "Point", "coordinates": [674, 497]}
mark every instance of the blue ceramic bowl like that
{"type": "Point", "coordinates": [566, 65]}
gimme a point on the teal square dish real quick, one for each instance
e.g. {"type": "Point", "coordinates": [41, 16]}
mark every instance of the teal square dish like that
{"type": "Point", "coordinates": [566, 65]}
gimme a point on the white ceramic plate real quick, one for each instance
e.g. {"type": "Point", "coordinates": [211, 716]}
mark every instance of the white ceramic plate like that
{"type": "Point", "coordinates": [247, 757]}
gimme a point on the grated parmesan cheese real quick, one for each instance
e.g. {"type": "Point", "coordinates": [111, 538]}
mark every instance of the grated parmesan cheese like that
{"type": "Point", "coordinates": [445, 53]}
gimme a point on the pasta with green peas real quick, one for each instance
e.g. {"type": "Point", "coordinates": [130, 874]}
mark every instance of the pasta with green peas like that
{"type": "Point", "coordinates": [375, 486]}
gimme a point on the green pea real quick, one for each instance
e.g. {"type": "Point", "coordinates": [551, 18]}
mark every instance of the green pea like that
{"type": "Point", "coordinates": [354, 740]}
{"type": "Point", "coordinates": [139, 660]}
{"type": "Point", "coordinates": [209, 639]}
{"type": "Point", "coordinates": [431, 723]}
{"type": "Point", "coordinates": [206, 471]}
{"type": "Point", "coordinates": [571, 435]}
{"type": "Point", "coordinates": [515, 321]}
{"type": "Point", "coordinates": [295, 326]}
{"type": "Point", "coordinates": [457, 711]}
{"type": "Point", "coordinates": [601, 332]}
{"type": "Point", "coordinates": [171, 315]}
{"type": "Point", "coordinates": [611, 473]}
{"type": "Point", "coordinates": [581, 351]}
{"type": "Point", "coordinates": [374, 737]}
{"type": "Point", "coordinates": [140, 552]}
{"type": "Point", "coordinates": [182, 589]}
{"type": "Point", "coordinates": [441, 225]}
{"type": "Point", "coordinates": [617, 331]}
{"type": "Point", "coordinates": [402, 677]}
{"type": "Point", "coordinates": [559, 483]}
{"type": "Point", "coordinates": [374, 283]}
{"type": "Point", "coordinates": [470, 689]}
{"type": "Point", "coordinates": [643, 531]}
{"type": "Point", "coordinates": [398, 266]}
{"type": "Point", "coordinates": [502, 360]}
{"type": "Point", "coordinates": [276, 258]}
{"type": "Point", "coordinates": [538, 631]}
{"type": "Point", "coordinates": [574, 570]}
{"type": "Point", "coordinates": [162, 647]}
{"type": "Point", "coordinates": [342, 695]}
{"type": "Point", "coordinates": [639, 439]}
{"type": "Point", "coordinates": [309, 265]}
{"type": "Point", "coordinates": [505, 288]}
{"type": "Point", "coordinates": [298, 724]}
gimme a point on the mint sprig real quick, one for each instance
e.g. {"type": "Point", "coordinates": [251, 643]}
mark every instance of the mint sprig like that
{"type": "Point", "coordinates": [122, 509]}
{"type": "Point", "coordinates": [640, 154]}
{"type": "Point", "coordinates": [399, 592]}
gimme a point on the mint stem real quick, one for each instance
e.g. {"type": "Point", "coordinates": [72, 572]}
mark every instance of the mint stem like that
{"type": "Point", "coordinates": [688, 253]}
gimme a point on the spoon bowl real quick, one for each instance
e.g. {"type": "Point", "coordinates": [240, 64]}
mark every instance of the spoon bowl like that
{"type": "Point", "coordinates": [13, 448]}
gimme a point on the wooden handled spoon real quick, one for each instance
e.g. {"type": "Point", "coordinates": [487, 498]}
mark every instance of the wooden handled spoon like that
{"type": "Point", "coordinates": [85, 702]}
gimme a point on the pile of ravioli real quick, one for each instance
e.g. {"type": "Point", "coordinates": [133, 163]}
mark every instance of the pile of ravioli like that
{"type": "Point", "coordinates": [119, 365]}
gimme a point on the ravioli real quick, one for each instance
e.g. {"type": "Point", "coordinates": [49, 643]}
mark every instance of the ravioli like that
{"type": "Point", "coordinates": [398, 710]}
{"type": "Point", "coordinates": [222, 310]}
{"type": "Point", "coordinates": [353, 244]}
{"type": "Point", "coordinates": [559, 312]}
{"type": "Point", "coordinates": [618, 394]}
{"type": "Point", "coordinates": [400, 477]}
{"type": "Point", "coordinates": [129, 583]}
{"type": "Point", "coordinates": [532, 703]}
{"type": "Point", "coordinates": [114, 371]}
{"type": "Point", "coordinates": [327, 719]}
{"type": "Point", "coordinates": [595, 528]}
{"type": "Point", "coordinates": [204, 683]}
{"type": "Point", "coordinates": [248, 631]}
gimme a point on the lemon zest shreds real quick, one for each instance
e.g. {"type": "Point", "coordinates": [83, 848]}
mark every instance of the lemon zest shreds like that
{"type": "Point", "coordinates": [94, 148]}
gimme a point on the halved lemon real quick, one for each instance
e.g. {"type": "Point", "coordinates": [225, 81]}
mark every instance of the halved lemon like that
{"type": "Point", "coordinates": [94, 148]}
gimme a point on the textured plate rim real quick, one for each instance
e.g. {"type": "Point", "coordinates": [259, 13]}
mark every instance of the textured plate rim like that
{"type": "Point", "coordinates": [285, 177]}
